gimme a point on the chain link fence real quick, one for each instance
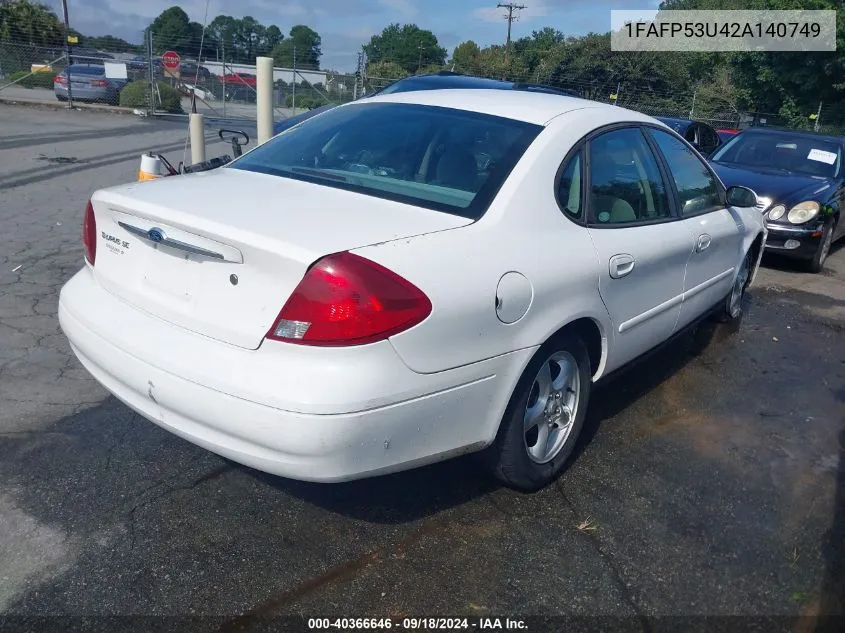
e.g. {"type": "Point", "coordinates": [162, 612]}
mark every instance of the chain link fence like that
{"type": "Point", "coordinates": [222, 84]}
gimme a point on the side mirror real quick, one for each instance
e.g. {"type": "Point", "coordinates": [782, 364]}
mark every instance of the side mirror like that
{"type": "Point", "coordinates": [742, 197]}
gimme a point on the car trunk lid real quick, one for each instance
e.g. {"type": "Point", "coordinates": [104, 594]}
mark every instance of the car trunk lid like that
{"type": "Point", "coordinates": [219, 252]}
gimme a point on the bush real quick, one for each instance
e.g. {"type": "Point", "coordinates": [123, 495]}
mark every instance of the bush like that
{"type": "Point", "coordinates": [36, 80]}
{"type": "Point", "coordinates": [137, 95]}
{"type": "Point", "coordinates": [305, 101]}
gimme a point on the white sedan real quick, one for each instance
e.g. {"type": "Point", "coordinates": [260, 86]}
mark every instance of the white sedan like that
{"type": "Point", "coordinates": [407, 278]}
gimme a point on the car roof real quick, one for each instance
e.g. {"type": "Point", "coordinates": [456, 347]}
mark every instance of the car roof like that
{"type": "Point", "coordinates": [781, 132]}
{"type": "Point", "coordinates": [446, 79]}
{"type": "Point", "coordinates": [532, 107]}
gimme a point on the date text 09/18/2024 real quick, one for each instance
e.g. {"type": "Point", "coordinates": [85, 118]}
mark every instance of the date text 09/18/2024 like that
{"type": "Point", "coordinates": [416, 624]}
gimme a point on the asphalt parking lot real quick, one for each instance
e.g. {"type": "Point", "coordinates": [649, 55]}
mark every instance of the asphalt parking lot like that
{"type": "Point", "coordinates": [710, 481]}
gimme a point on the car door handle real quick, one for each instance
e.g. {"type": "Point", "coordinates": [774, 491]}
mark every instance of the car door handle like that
{"type": "Point", "coordinates": [621, 265]}
{"type": "Point", "coordinates": [703, 243]}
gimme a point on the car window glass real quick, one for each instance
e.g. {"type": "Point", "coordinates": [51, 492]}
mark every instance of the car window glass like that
{"type": "Point", "coordinates": [439, 158]}
{"type": "Point", "coordinates": [569, 190]}
{"type": "Point", "coordinates": [783, 153]}
{"type": "Point", "coordinates": [625, 180]}
{"type": "Point", "coordinates": [709, 140]}
{"type": "Point", "coordinates": [698, 189]}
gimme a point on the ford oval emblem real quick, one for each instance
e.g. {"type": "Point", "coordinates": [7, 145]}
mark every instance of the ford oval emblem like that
{"type": "Point", "coordinates": [155, 235]}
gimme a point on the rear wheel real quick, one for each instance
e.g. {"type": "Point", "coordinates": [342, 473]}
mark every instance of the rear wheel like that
{"type": "Point", "coordinates": [817, 263]}
{"type": "Point", "coordinates": [544, 416]}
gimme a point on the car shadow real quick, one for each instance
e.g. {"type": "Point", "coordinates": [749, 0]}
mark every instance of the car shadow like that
{"type": "Point", "coordinates": [621, 390]}
{"type": "Point", "coordinates": [422, 492]}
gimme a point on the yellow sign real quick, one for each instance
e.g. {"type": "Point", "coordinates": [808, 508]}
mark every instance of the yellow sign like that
{"type": "Point", "coordinates": [814, 116]}
{"type": "Point", "coordinates": [41, 68]}
{"type": "Point", "coordinates": [72, 39]}
{"type": "Point", "coordinates": [613, 97]}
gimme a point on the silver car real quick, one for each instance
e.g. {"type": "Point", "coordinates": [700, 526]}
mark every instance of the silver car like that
{"type": "Point", "coordinates": [88, 83]}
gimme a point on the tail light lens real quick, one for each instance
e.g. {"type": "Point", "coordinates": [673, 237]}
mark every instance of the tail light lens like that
{"type": "Point", "coordinates": [347, 300]}
{"type": "Point", "coordinates": [59, 79]}
{"type": "Point", "coordinates": [99, 83]}
{"type": "Point", "coordinates": [89, 234]}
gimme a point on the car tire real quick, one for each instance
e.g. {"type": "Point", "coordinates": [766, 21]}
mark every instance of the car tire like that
{"type": "Point", "coordinates": [816, 264]}
{"type": "Point", "coordinates": [733, 308]}
{"type": "Point", "coordinates": [546, 403]}
{"type": "Point", "coordinates": [62, 99]}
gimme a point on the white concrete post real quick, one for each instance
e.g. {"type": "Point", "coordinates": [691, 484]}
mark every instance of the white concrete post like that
{"type": "Point", "coordinates": [197, 127]}
{"type": "Point", "coordinates": [264, 98]}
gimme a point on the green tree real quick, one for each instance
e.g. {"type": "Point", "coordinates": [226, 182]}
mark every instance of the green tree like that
{"type": "Point", "coordinates": [408, 46]}
{"type": "Point", "coordinates": [465, 57]}
{"type": "Point", "coordinates": [110, 43]}
{"type": "Point", "coordinates": [30, 23]}
{"type": "Point", "coordinates": [302, 41]}
{"type": "Point", "coordinates": [173, 30]}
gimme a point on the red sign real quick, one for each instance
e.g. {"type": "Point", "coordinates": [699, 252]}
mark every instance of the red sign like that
{"type": "Point", "coordinates": [170, 60]}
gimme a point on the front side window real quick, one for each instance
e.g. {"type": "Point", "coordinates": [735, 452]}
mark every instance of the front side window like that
{"type": "Point", "coordinates": [448, 160]}
{"type": "Point", "coordinates": [625, 181]}
{"type": "Point", "coordinates": [698, 189]}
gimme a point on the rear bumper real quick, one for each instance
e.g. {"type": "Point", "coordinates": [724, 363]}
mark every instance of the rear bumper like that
{"type": "Point", "coordinates": [798, 242]}
{"type": "Point", "coordinates": [350, 413]}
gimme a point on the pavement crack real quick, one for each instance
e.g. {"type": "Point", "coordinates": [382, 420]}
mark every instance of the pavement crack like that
{"type": "Point", "coordinates": [607, 559]}
{"type": "Point", "coordinates": [343, 573]}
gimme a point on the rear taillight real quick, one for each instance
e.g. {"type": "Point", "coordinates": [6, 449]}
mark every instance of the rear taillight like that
{"type": "Point", "coordinates": [89, 234]}
{"type": "Point", "coordinates": [344, 300]}
{"type": "Point", "coordinates": [59, 79]}
{"type": "Point", "coordinates": [99, 83]}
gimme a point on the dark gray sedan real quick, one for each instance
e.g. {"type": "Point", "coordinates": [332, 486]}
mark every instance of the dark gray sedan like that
{"type": "Point", "coordinates": [88, 82]}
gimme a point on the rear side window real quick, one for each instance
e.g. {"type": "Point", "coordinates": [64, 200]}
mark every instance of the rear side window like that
{"type": "Point", "coordinates": [438, 158]}
{"type": "Point", "coordinates": [625, 181]}
{"type": "Point", "coordinates": [569, 189]}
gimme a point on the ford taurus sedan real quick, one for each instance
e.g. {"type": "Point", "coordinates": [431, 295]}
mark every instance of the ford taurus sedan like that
{"type": "Point", "coordinates": [800, 179]}
{"type": "Point", "coordinates": [409, 278]}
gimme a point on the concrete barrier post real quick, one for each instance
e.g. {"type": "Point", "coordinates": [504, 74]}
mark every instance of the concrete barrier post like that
{"type": "Point", "coordinates": [264, 98]}
{"type": "Point", "coordinates": [197, 128]}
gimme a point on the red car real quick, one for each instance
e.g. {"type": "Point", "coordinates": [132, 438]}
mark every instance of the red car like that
{"type": "Point", "coordinates": [240, 79]}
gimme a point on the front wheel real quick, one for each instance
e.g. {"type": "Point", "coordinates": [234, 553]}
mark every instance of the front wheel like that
{"type": "Point", "coordinates": [817, 263]}
{"type": "Point", "coordinates": [544, 416]}
{"type": "Point", "coordinates": [732, 310]}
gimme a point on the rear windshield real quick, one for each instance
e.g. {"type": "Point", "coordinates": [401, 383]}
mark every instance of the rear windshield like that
{"type": "Point", "coordinates": [87, 70]}
{"type": "Point", "coordinates": [438, 158]}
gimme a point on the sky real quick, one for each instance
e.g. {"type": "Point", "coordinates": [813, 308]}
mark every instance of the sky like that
{"type": "Point", "coordinates": [345, 25]}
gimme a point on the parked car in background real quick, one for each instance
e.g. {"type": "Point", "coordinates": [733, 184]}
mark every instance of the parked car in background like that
{"type": "Point", "coordinates": [137, 63]}
{"type": "Point", "coordinates": [447, 261]}
{"type": "Point", "coordinates": [799, 179]}
{"type": "Point", "coordinates": [451, 80]}
{"type": "Point", "coordinates": [700, 135]}
{"type": "Point", "coordinates": [239, 79]}
{"type": "Point", "coordinates": [727, 134]}
{"type": "Point", "coordinates": [191, 71]}
{"type": "Point", "coordinates": [88, 83]}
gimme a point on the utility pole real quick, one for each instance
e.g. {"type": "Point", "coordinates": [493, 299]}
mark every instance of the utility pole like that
{"type": "Point", "coordinates": [692, 109]}
{"type": "Point", "coordinates": [422, 48]}
{"type": "Point", "coordinates": [818, 118]}
{"type": "Point", "coordinates": [358, 76]}
{"type": "Point", "coordinates": [511, 7]}
{"type": "Point", "coordinates": [67, 54]}
{"type": "Point", "coordinates": [293, 87]}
